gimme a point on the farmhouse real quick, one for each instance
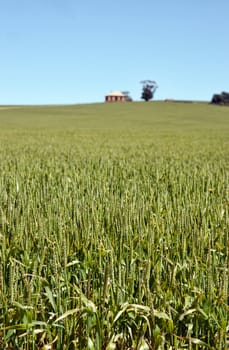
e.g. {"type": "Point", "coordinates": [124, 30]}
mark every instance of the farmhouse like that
{"type": "Point", "coordinates": [115, 96]}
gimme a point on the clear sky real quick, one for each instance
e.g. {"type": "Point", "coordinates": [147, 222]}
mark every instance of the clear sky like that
{"type": "Point", "coordinates": [72, 51]}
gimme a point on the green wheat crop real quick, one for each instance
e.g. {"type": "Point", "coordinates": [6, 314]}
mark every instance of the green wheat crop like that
{"type": "Point", "coordinates": [114, 227]}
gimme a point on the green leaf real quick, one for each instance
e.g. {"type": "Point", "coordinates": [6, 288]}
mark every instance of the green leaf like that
{"type": "Point", "coordinates": [66, 314]}
{"type": "Point", "coordinates": [123, 309]}
{"type": "Point", "coordinates": [20, 326]}
{"type": "Point", "coordinates": [199, 342]}
{"type": "Point", "coordinates": [143, 345]}
{"type": "Point", "coordinates": [50, 297]}
{"type": "Point", "coordinates": [161, 314]}
{"type": "Point", "coordinates": [71, 263]}
{"type": "Point", "coordinates": [23, 307]}
{"type": "Point", "coordinates": [186, 313]}
{"type": "Point", "coordinates": [140, 307]}
{"type": "Point", "coordinates": [90, 344]}
{"type": "Point", "coordinates": [111, 346]}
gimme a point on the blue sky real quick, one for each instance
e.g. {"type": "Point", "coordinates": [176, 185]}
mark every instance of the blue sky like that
{"type": "Point", "coordinates": [71, 51]}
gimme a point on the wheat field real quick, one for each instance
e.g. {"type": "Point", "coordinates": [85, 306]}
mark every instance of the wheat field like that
{"type": "Point", "coordinates": [114, 227]}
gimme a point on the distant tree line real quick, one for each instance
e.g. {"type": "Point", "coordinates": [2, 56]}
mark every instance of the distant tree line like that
{"type": "Point", "coordinates": [221, 99]}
